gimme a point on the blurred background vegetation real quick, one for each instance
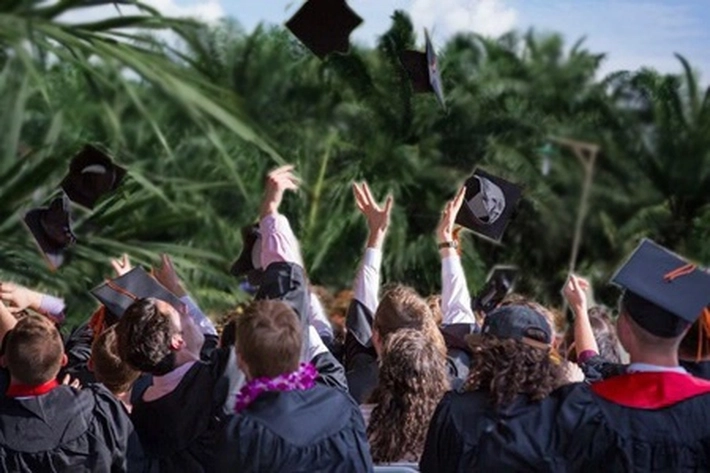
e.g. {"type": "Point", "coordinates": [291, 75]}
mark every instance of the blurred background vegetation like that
{"type": "Point", "coordinates": [199, 119]}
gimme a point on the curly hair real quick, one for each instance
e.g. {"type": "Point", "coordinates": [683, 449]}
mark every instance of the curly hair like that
{"type": "Point", "coordinates": [143, 338]}
{"type": "Point", "coordinates": [508, 367]}
{"type": "Point", "coordinates": [413, 378]}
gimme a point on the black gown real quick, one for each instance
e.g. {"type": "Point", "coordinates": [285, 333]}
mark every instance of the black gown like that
{"type": "Point", "coordinates": [66, 430]}
{"type": "Point", "coordinates": [179, 431]}
{"type": "Point", "coordinates": [361, 365]}
{"type": "Point", "coordinates": [597, 369]}
{"type": "Point", "coordinates": [468, 434]}
{"type": "Point", "coordinates": [317, 430]}
{"type": "Point", "coordinates": [637, 422]}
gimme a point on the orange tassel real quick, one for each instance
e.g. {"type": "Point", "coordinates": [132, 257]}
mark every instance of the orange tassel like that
{"type": "Point", "coordinates": [703, 334]}
{"type": "Point", "coordinates": [682, 271]}
{"type": "Point", "coordinates": [96, 322]}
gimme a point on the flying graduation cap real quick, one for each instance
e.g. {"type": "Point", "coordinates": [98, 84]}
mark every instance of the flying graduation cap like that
{"type": "Point", "coordinates": [118, 294]}
{"type": "Point", "coordinates": [500, 282]}
{"type": "Point", "coordinates": [423, 71]}
{"type": "Point", "coordinates": [489, 204]}
{"type": "Point", "coordinates": [51, 228]}
{"type": "Point", "coordinates": [663, 292]}
{"type": "Point", "coordinates": [92, 174]}
{"type": "Point", "coordinates": [324, 26]}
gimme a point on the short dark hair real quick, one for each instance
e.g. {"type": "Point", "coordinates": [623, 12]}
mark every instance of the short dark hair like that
{"type": "Point", "coordinates": [269, 338]}
{"type": "Point", "coordinates": [33, 350]}
{"type": "Point", "coordinates": [109, 368]}
{"type": "Point", "coordinates": [144, 334]}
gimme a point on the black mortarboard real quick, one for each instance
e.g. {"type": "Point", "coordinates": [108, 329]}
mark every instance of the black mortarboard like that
{"type": "Point", "coordinates": [488, 205]}
{"type": "Point", "coordinates": [92, 174]}
{"type": "Point", "coordinates": [324, 26]}
{"type": "Point", "coordinates": [51, 228]}
{"type": "Point", "coordinates": [118, 294]}
{"type": "Point", "coordinates": [663, 292]}
{"type": "Point", "coordinates": [423, 70]}
{"type": "Point", "coordinates": [499, 284]}
{"type": "Point", "coordinates": [244, 264]}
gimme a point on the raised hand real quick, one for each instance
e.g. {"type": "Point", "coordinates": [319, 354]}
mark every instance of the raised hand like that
{"type": "Point", "coordinates": [445, 230]}
{"type": "Point", "coordinates": [18, 298]}
{"type": "Point", "coordinates": [122, 265]}
{"type": "Point", "coordinates": [167, 276]}
{"type": "Point", "coordinates": [278, 181]}
{"type": "Point", "coordinates": [575, 291]}
{"type": "Point", "coordinates": [377, 216]}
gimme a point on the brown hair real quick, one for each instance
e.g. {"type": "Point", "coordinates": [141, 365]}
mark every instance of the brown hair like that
{"type": "Point", "coordinates": [434, 303]}
{"type": "Point", "coordinates": [604, 334]}
{"type": "Point", "coordinates": [33, 350]}
{"type": "Point", "coordinates": [144, 335]}
{"type": "Point", "coordinates": [108, 367]}
{"type": "Point", "coordinates": [412, 379]}
{"type": "Point", "coordinates": [269, 338]}
{"type": "Point", "coordinates": [508, 367]}
{"type": "Point", "coordinates": [402, 308]}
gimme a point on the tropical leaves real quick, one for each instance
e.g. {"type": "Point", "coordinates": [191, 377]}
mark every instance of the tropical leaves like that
{"type": "Point", "coordinates": [199, 121]}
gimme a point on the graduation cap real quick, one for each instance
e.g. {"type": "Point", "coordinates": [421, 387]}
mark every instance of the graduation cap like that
{"type": "Point", "coordinates": [51, 229]}
{"type": "Point", "coordinates": [248, 263]}
{"type": "Point", "coordinates": [500, 283]}
{"type": "Point", "coordinates": [663, 292]}
{"type": "Point", "coordinates": [489, 204]}
{"type": "Point", "coordinates": [423, 71]}
{"type": "Point", "coordinates": [324, 26]}
{"type": "Point", "coordinates": [92, 174]}
{"type": "Point", "coordinates": [118, 294]}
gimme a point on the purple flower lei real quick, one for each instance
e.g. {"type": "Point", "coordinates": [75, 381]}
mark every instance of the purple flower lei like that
{"type": "Point", "coordinates": [300, 380]}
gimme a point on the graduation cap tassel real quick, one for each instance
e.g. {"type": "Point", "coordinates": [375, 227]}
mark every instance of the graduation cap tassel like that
{"type": "Point", "coordinates": [703, 335]}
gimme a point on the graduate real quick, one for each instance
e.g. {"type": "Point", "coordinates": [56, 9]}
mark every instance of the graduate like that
{"type": "Point", "coordinates": [45, 426]}
{"type": "Point", "coordinates": [371, 319]}
{"type": "Point", "coordinates": [179, 412]}
{"type": "Point", "coordinates": [655, 416]}
{"type": "Point", "coordinates": [285, 420]}
{"type": "Point", "coordinates": [502, 419]}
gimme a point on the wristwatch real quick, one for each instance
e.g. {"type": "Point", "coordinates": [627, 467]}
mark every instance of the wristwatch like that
{"type": "Point", "coordinates": [448, 244]}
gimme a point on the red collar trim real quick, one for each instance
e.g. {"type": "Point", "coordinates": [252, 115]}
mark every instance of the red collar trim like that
{"type": "Point", "coordinates": [651, 390]}
{"type": "Point", "coordinates": [25, 390]}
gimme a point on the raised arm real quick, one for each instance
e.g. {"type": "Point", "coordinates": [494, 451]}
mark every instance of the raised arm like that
{"type": "Point", "coordinates": [19, 298]}
{"type": "Point", "coordinates": [278, 242]}
{"type": "Point", "coordinates": [367, 279]}
{"type": "Point", "coordinates": [167, 276]}
{"type": "Point", "coordinates": [575, 292]}
{"type": "Point", "coordinates": [7, 321]}
{"type": "Point", "coordinates": [455, 298]}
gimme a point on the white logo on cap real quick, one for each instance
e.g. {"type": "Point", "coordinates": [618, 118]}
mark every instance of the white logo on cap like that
{"type": "Point", "coordinates": [489, 203]}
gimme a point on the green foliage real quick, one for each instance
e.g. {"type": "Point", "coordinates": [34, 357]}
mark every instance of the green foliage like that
{"type": "Point", "coordinates": [199, 124]}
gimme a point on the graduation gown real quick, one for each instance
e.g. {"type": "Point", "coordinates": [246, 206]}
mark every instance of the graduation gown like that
{"type": "Point", "coordinates": [637, 422]}
{"type": "Point", "coordinates": [317, 430]}
{"type": "Point", "coordinates": [597, 369]}
{"type": "Point", "coordinates": [361, 363]}
{"type": "Point", "coordinates": [468, 434]}
{"type": "Point", "coordinates": [66, 430]}
{"type": "Point", "coordinates": [179, 431]}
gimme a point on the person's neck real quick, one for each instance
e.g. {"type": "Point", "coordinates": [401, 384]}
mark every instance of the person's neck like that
{"type": "Point", "coordinates": [125, 399]}
{"type": "Point", "coordinates": [666, 360]}
{"type": "Point", "coordinates": [184, 356]}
